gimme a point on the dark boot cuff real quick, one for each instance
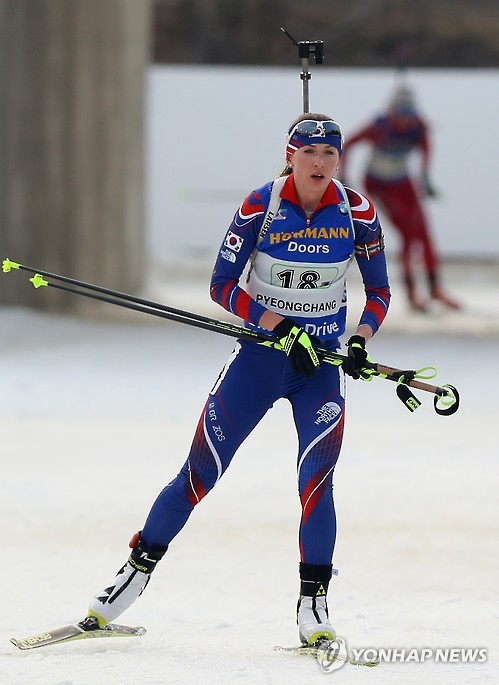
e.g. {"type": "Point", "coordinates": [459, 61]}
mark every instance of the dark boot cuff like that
{"type": "Point", "coordinates": [144, 557]}
{"type": "Point", "coordinates": [314, 579]}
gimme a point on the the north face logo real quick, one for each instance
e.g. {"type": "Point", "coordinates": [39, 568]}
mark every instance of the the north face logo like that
{"type": "Point", "coordinates": [328, 412]}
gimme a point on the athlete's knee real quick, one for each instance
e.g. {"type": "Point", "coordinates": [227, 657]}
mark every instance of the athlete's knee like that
{"type": "Point", "coordinates": [196, 484]}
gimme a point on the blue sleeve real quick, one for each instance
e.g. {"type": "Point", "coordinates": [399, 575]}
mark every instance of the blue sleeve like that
{"type": "Point", "coordinates": [237, 246]}
{"type": "Point", "coordinates": [370, 257]}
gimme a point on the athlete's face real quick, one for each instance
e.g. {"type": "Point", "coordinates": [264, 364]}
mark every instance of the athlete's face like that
{"type": "Point", "coordinates": [314, 166]}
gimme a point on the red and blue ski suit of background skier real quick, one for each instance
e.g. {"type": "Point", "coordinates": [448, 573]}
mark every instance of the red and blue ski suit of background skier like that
{"type": "Point", "coordinates": [388, 181]}
{"type": "Point", "coordinates": [298, 270]}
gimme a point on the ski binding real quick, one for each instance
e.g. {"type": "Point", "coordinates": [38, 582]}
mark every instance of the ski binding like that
{"type": "Point", "coordinates": [328, 653]}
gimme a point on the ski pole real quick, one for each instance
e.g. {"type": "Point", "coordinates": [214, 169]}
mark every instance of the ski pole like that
{"type": "Point", "coordinates": [305, 49]}
{"type": "Point", "coordinates": [447, 395]}
{"type": "Point", "coordinates": [135, 303]}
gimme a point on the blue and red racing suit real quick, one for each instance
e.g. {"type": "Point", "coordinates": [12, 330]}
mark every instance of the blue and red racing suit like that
{"type": "Point", "coordinates": [299, 270]}
{"type": "Point", "coordinates": [388, 181]}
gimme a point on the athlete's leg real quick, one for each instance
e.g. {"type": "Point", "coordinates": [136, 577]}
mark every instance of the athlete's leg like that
{"type": "Point", "coordinates": [397, 200]}
{"type": "Point", "coordinates": [420, 230]}
{"type": "Point", "coordinates": [418, 225]}
{"type": "Point", "coordinates": [248, 385]}
{"type": "Point", "coordinates": [389, 197]}
{"type": "Point", "coordinates": [318, 409]}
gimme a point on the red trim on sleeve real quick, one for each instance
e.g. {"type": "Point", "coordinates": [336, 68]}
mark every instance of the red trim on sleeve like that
{"type": "Point", "coordinates": [225, 293]}
{"type": "Point", "coordinates": [377, 309]}
{"type": "Point", "coordinates": [242, 305]}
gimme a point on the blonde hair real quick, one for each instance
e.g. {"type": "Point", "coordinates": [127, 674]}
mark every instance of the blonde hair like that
{"type": "Point", "coordinates": [314, 116]}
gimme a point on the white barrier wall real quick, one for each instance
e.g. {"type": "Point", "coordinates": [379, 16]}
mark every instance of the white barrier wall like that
{"type": "Point", "coordinates": [215, 133]}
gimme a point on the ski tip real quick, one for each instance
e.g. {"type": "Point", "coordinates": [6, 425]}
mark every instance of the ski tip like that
{"type": "Point", "coordinates": [23, 643]}
{"type": "Point", "coordinates": [75, 631]}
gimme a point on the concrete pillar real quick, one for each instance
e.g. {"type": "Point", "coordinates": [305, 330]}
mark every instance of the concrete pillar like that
{"type": "Point", "coordinates": [72, 99]}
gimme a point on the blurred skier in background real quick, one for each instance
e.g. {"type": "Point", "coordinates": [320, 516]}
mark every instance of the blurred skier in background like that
{"type": "Point", "coordinates": [393, 136]}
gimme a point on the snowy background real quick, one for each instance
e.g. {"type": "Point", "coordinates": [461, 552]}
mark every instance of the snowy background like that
{"type": "Point", "coordinates": [215, 133]}
{"type": "Point", "coordinates": [97, 414]}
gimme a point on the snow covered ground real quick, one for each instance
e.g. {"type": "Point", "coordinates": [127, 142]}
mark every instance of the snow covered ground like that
{"type": "Point", "coordinates": [97, 414]}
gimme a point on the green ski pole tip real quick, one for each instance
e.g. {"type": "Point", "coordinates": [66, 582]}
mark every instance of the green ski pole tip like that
{"type": "Point", "coordinates": [38, 281]}
{"type": "Point", "coordinates": [7, 265]}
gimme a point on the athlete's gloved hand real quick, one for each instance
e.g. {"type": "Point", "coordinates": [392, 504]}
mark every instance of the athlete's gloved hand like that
{"type": "Point", "coordinates": [299, 347]}
{"type": "Point", "coordinates": [428, 187]}
{"type": "Point", "coordinates": [357, 356]}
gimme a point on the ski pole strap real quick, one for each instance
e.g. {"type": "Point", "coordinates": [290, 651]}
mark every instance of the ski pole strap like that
{"type": "Point", "coordinates": [426, 373]}
{"type": "Point", "coordinates": [367, 373]}
{"type": "Point", "coordinates": [412, 378]}
{"type": "Point", "coordinates": [407, 398]}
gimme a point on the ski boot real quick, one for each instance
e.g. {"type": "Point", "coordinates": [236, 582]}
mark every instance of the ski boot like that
{"type": "Point", "coordinates": [129, 583]}
{"type": "Point", "coordinates": [439, 296]}
{"type": "Point", "coordinates": [312, 612]}
{"type": "Point", "coordinates": [437, 293]}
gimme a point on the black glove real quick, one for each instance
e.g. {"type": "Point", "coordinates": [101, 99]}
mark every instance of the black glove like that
{"type": "Point", "coordinates": [298, 346]}
{"type": "Point", "coordinates": [357, 356]}
{"type": "Point", "coordinates": [428, 187]}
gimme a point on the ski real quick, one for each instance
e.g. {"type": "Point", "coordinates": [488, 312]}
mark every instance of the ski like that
{"type": "Point", "coordinates": [75, 631]}
{"type": "Point", "coordinates": [327, 652]}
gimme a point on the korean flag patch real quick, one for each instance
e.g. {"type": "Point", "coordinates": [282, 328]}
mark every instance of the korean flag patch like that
{"type": "Point", "coordinates": [233, 241]}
